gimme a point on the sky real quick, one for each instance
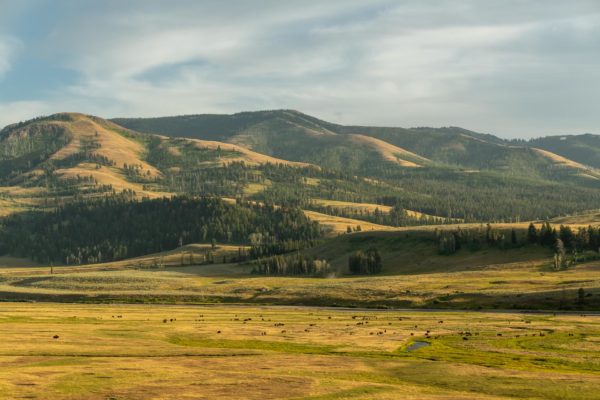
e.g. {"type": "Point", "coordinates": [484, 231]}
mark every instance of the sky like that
{"type": "Point", "coordinates": [513, 68]}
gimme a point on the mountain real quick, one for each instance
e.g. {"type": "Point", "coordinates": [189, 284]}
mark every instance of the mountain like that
{"type": "Point", "coordinates": [286, 134]}
{"type": "Point", "coordinates": [295, 136]}
{"type": "Point", "coordinates": [404, 176]}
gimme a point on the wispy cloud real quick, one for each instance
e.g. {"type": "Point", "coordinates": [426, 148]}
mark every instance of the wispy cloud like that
{"type": "Point", "coordinates": [8, 48]}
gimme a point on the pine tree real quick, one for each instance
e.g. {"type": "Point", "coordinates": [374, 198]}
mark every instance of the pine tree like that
{"type": "Point", "coordinates": [532, 234]}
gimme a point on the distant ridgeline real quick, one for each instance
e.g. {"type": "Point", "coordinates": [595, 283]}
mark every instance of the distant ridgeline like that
{"type": "Point", "coordinates": [117, 228]}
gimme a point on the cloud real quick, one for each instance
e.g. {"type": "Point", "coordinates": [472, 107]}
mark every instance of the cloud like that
{"type": "Point", "coordinates": [8, 48]}
{"type": "Point", "coordinates": [12, 112]}
{"type": "Point", "coordinates": [506, 67]}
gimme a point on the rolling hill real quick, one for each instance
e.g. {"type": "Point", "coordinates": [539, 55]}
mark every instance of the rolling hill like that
{"type": "Point", "coordinates": [366, 150]}
{"type": "Point", "coordinates": [285, 157]}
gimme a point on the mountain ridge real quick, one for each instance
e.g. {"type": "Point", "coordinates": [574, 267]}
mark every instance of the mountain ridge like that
{"type": "Point", "coordinates": [288, 158]}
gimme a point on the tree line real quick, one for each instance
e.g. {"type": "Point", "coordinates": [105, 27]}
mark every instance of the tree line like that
{"type": "Point", "coordinates": [117, 227]}
{"type": "Point", "coordinates": [295, 264]}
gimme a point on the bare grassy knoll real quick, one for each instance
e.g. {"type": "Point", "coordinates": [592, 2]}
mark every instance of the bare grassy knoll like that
{"type": "Point", "coordinates": [59, 351]}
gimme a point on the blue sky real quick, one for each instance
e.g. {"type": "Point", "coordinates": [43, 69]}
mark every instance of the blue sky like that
{"type": "Point", "coordinates": [511, 68]}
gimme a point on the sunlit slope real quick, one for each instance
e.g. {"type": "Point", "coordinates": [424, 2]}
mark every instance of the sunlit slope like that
{"type": "Point", "coordinates": [71, 155]}
{"type": "Point", "coordinates": [577, 169]}
{"type": "Point", "coordinates": [66, 154]}
{"type": "Point", "coordinates": [584, 149]}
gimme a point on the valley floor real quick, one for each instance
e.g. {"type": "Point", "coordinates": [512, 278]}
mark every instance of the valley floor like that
{"type": "Point", "coordinates": [530, 284]}
{"type": "Point", "coordinates": [67, 351]}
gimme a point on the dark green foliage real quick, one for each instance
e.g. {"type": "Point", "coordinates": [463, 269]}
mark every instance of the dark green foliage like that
{"type": "Point", "coordinates": [365, 262]}
{"type": "Point", "coordinates": [566, 235]}
{"type": "Point", "coordinates": [447, 243]}
{"type": "Point", "coordinates": [21, 150]}
{"type": "Point", "coordinates": [513, 236]}
{"type": "Point", "coordinates": [548, 235]}
{"type": "Point", "coordinates": [532, 233]}
{"type": "Point", "coordinates": [451, 241]}
{"type": "Point", "coordinates": [295, 264]}
{"type": "Point", "coordinates": [580, 296]}
{"type": "Point", "coordinates": [116, 228]}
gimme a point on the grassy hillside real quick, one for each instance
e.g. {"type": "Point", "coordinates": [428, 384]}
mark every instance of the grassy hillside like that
{"type": "Point", "coordinates": [584, 149]}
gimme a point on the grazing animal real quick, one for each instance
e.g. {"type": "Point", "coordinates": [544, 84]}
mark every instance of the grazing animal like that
{"type": "Point", "coordinates": [55, 337]}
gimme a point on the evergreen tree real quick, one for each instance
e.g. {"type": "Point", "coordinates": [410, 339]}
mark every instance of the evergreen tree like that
{"type": "Point", "coordinates": [532, 234]}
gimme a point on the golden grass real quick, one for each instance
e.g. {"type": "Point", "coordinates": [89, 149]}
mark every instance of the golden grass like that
{"type": "Point", "coordinates": [389, 151]}
{"type": "Point", "coordinates": [255, 188]}
{"type": "Point", "coordinates": [8, 207]}
{"type": "Point", "coordinates": [337, 225]}
{"type": "Point", "coordinates": [113, 145]}
{"type": "Point", "coordinates": [369, 207]}
{"type": "Point", "coordinates": [109, 176]}
{"type": "Point", "coordinates": [565, 162]}
{"type": "Point", "coordinates": [247, 155]}
{"type": "Point", "coordinates": [233, 352]}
